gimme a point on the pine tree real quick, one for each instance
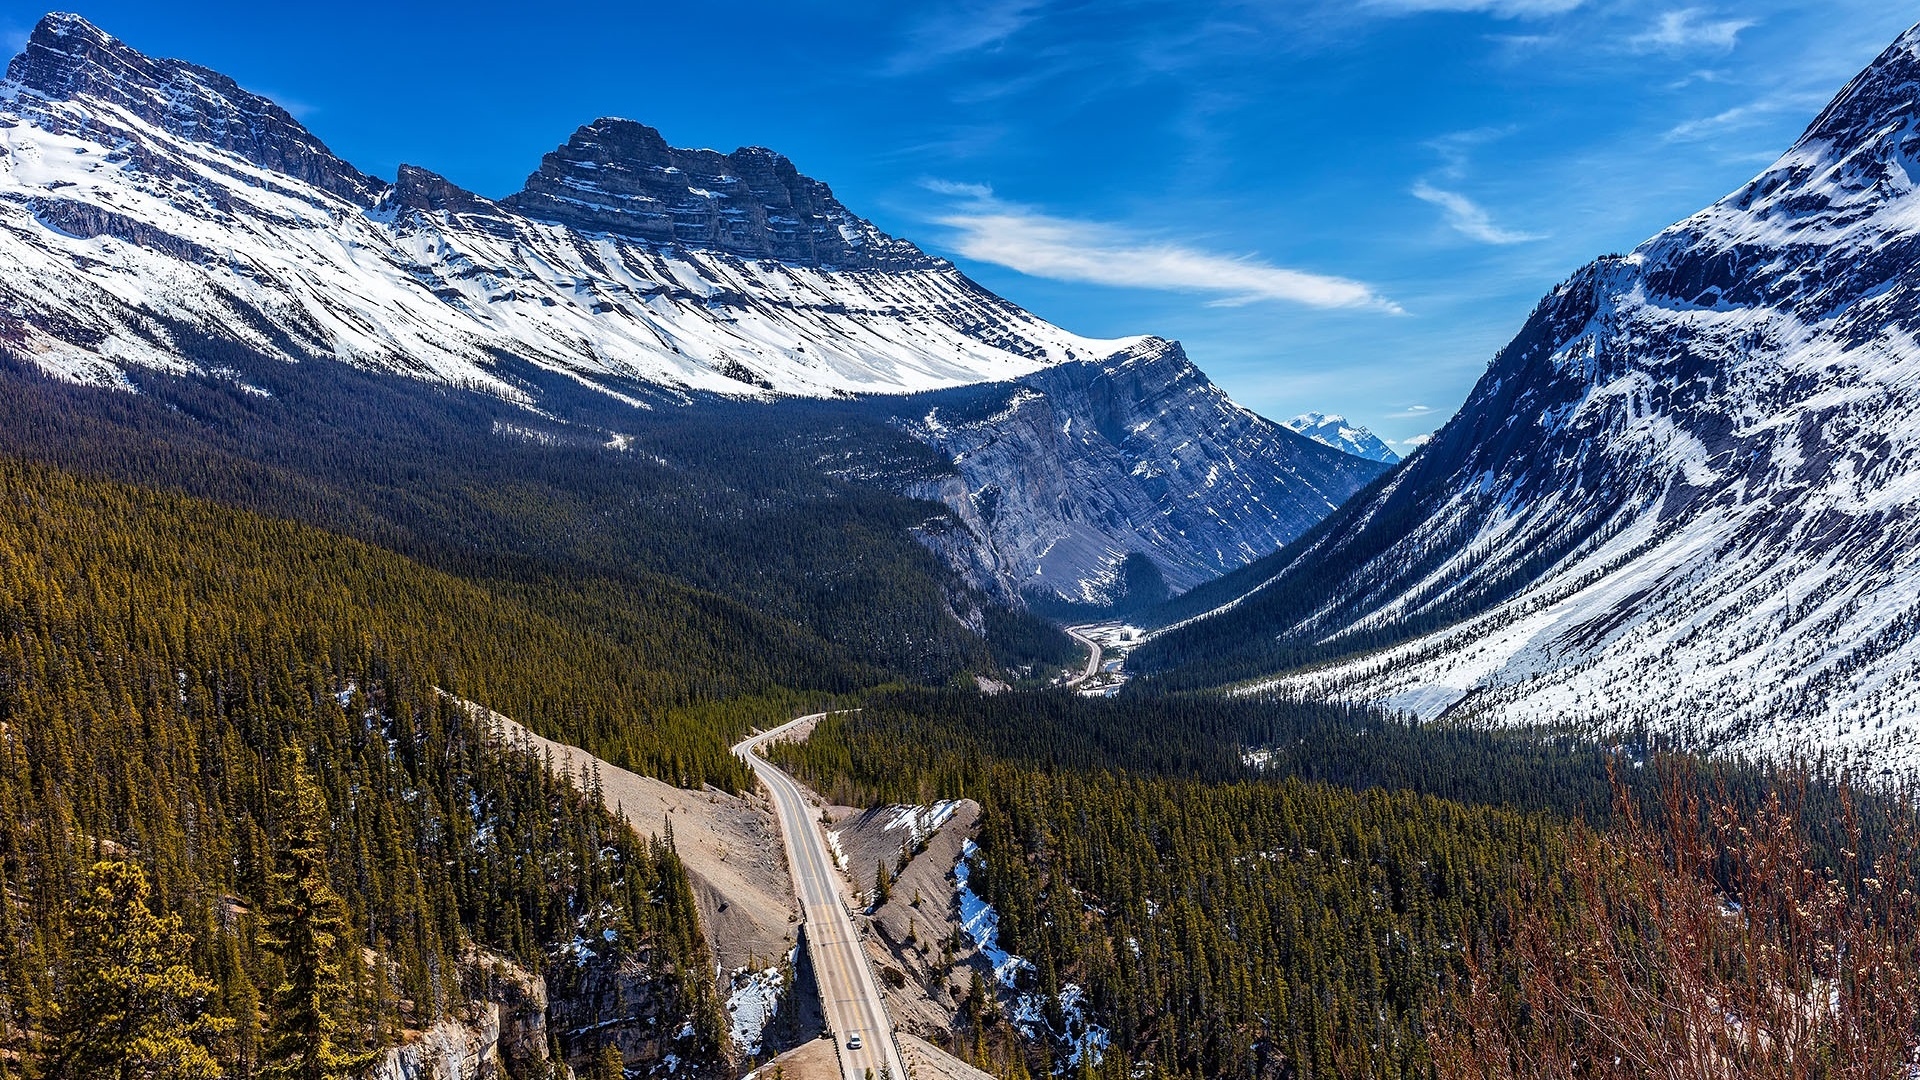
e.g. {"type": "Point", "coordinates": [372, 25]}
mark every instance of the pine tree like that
{"type": "Point", "coordinates": [609, 1064]}
{"type": "Point", "coordinates": [306, 922]}
{"type": "Point", "coordinates": [131, 1008]}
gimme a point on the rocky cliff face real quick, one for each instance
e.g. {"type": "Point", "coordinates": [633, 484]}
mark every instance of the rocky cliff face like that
{"type": "Point", "coordinates": [1069, 472]}
{"type": "Point", "coordinates": [1684, 497]}
{"type": "Point", "coordinates": [501, 1034]}
{"type": "Point", "coordinates": [68, 59]}
{"type": "Point", "coordinates": [617, 176]}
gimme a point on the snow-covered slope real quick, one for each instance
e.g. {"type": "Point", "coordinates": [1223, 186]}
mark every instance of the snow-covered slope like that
{"type": "Point", "coordinates": [155, 217]}
{"type": "Point", "coordinates": [1334, 430]}
{"type": "Point", "coordinates": [144, 203]}
{"type": "Point", "coordinates": [1686, 496]}
{"type": "Point", "coordinates": [1071, 470]}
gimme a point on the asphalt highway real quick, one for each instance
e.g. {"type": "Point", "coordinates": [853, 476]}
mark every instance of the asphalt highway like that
{"type": "Point", "coordinates": [1093, 656]}
{"type": "Point", "coordinates": [848, 992]}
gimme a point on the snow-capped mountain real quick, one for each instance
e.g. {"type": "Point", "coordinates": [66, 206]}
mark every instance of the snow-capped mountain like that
{"type": "Point", "coordinates": [1686, 496]}
{"type": "Point", "coordinates": [1073, 469]}
{"type": "Point", "coordinates": [145, 200]}
{"type": "Point", "coordinates": [155, 217]}
{"type": "Point", "coordinates": [1334, 430]}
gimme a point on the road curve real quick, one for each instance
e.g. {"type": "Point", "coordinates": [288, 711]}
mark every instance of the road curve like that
{"type": "Point", "coordinates": [1093, 656]}
{"type": "Point", "coordinates": [848, 992]}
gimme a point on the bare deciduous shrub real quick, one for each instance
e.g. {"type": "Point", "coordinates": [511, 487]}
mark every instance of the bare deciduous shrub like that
{"type": "Point", "coordinates": [1716, 948]}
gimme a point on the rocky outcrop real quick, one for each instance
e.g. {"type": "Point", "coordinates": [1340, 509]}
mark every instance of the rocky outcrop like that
{"type": "Point", "coordinates": [68, 57]}
{"type": "Point", "coordinates": [621, 177]}
{"type": "Point", "coordinates": [86, 221]}
{"type": "Point", "coordinates": [1068, 474]}
{"type": "Point", "coordinates": [499, 1035]}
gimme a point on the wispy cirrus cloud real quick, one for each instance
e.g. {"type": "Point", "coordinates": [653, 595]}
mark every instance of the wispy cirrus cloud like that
{"type": "Point", "coordinates": [1461, 213]}
{"type": "Point", "coordinates": [1506, 9]}
{"type": "Point", "coordinates": [1753, 114]}
{"type": "Point", "coordinates": [1690, 29]}
{"type": "Point", "coordinates": [959, 30]}
{"type": "Point", "coordinates": [1469, 218]}
{"type": "Point", "coordinates": [1064, 249]}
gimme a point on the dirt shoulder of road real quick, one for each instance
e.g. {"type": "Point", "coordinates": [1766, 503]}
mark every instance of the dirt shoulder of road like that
{"type": "Point", "coordinates": [736, 861]}
{"type": "Point", "coordinates": [908, 938]}
{"type": "Point", "coordinates": [730, 844]}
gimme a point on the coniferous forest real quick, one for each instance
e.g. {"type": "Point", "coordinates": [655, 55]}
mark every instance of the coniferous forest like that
{"type": "Point", "coordinates": [232, 740]}
{"type": "Point", "coordinates": [1367, 890]}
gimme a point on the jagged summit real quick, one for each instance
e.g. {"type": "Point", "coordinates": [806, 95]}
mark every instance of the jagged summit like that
{"type": "Point", "coordinates": [1883, 97]}
{"type": "Point", "coordinates": [69, 58]}
{"type": "Point", "coordinates": [626, 263]}
{"type": "Point", "coordinates": [1332, 429]}
{"type": "Point", "coordinates": [620, 176]}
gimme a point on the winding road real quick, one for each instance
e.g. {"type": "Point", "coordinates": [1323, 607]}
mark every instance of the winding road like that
{"type": "Point", "coordinates": [1093, 656]}
{"type": "Point", "coordinates": [848, 992]}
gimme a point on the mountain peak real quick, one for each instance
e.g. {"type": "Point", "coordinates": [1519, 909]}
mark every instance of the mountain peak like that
{"type": "Point", "coordinates": [1332, 429]}
{"type": "Point", "coordinates": [68, 58]}
{"type": "Point", "coordinates": [620, 176]}
{"type": "Point", "coordinates": [1882, 98]}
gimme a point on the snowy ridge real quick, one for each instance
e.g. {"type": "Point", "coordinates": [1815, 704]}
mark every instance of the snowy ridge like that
{"type": "Point", "coordinates": [1334, 430]}
{"type": "Point", "coordinates": [143, 209]}
{"type": "Point", "coordinates": [1687, 497]}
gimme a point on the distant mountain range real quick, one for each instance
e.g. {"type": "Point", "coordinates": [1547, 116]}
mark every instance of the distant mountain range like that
{"type": "Point", "coordinates": [158, 220]}
{"type": "Point", "coordinates": [1685, 498]}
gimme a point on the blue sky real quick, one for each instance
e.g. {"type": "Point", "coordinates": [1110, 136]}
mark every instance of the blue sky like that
{"type": "Point", "coordinates": [1344, 206]}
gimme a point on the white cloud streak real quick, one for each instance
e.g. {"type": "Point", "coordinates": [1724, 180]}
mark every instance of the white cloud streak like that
{"type": "Point", "coordinates": [1690, 29]}
{"type": "Point", "coordinates": [1061, 249]}
{"type": "Point", "coordinates": [963, 29]}
{"type": "Point", "coordinates": [1505, 9]}
{"type": "Point", "coordinates": [1468, 218]}
{"type": "Point", "coordinates": [1742, 117]}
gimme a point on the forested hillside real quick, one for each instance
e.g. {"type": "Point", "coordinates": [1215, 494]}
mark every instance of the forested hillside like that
{"type": "Point", "coordinates": [1264, 887]}
{"type": "Point", "coordinates": [249, 715]}
{"type": "Point", "coordinates": [759, 510]}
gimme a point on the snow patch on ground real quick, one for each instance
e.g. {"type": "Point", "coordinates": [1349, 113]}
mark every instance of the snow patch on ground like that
{"type": "Point", "coordinates": [752, 1000]}
{"type": "Point", "coordinates": [982, 924]}
{"type": "Point", "coordinates": [1079, 1036]}
{"type": "Point", "coordinates": [920, 822]}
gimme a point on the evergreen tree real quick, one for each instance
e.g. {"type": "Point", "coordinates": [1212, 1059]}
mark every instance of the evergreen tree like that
{"type": "Point", "coordinates": [609, 1064]}
{"type": "Point", "coordinates": [131, 1007]}
{"type": "Point", "coordinates": [306, 925]}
